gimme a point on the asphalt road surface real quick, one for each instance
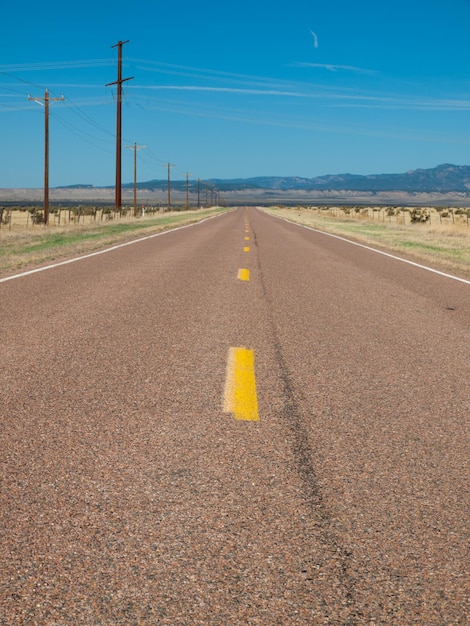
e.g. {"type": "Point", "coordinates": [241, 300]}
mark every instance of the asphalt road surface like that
{"type": "Point", "coordinates": [238, 422]}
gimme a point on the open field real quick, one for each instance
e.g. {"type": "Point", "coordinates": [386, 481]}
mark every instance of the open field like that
{"type": "Point", "coordinates": [443, 241]}
{"type": "Point", "coordinates": [22, 243]}
{"type": "Point", "coordinates": [239, 197]}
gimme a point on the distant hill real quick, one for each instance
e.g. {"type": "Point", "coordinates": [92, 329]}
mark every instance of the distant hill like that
{"type": "Point", "coordinates": [444, 185]}
{"type": "Point", "coordinates": [444, 178]}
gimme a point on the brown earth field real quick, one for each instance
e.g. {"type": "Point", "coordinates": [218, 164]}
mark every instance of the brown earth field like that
{"type": "Point", "coordinates": [239, 197]}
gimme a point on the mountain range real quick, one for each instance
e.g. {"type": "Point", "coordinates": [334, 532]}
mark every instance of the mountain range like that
{"type": "Point", "coordinates": [444, 178]}
{"type": "Point", "coordinates": [445, 184]}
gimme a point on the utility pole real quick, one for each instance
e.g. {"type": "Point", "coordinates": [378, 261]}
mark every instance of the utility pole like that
{"type": "Point", "coordinates": [46, 100]}
{"type": "Point", "coordinates": [198, 193]}
{"type": "Point", "coordinates": [135, 147]}
{"type": "Point", "coordinates": [207, 187]}
{"type": "Point", "coordinates": [169, 165]}
{"type": "Point", "coordinates": [187, 190]}
{"type": "Point", "coordinates": [119, 82]}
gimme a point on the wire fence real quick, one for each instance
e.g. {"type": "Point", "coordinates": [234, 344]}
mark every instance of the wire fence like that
{"type": "Point", "coordinates": [33, 217]}
{"type": "Point", "coordinates": [401, 215]}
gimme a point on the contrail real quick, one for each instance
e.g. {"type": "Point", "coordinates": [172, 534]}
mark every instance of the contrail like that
{"type": "Point", "coordinates": [315, 39]}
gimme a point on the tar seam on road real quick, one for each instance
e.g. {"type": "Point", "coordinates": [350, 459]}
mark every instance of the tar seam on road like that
{"type": "Point", "coordinates": [302, 454]}
{"type": "Point", "coordinates": [98, 252]}
{"type": "Point", "coordinates": [388, 254]}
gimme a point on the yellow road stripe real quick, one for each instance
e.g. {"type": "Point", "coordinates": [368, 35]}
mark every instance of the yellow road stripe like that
{"type": "Point", "coordinates": [247, 239]}
{"type": "Point", "coordinates": [246, 249]}
{"type": "Point", "coordinates": [243, 274]}
{"type": "Point", "coordinates": [240, 385]}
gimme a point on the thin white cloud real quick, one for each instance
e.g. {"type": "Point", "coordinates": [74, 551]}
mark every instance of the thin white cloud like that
{"type": "Point", "coordinates": [56, 65]}
{"type": "Point", "coordinates": [337, 68]}
{"type": "Point", "coordinates": [192, 109]}
{"type": "Point", "coordinates": [195, 72]}
{"type": "Point", "coordinates": [404, 104]}
{"type": "Point", "coordinates": [249, 85]}
{"type": "Point", "coordinates": [316, 92]}
{"type": "Point", "coordinates": [259, 92]}
{"type": "Point", "coordinates": [315, 39]}
{"type": "Point", "coordinates": [76, 85]}
{"type": "Point", "coordinates": [344, 98]}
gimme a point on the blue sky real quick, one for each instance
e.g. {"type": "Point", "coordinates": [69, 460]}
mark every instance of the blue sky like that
{"type": "Point", "coordinates": [228, 90]}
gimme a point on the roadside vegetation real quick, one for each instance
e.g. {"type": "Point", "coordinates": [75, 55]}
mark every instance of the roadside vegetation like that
{"type": "Point", "coordinates": [438, 236]}
{"type": "Point", "coordinates": [26, 241]}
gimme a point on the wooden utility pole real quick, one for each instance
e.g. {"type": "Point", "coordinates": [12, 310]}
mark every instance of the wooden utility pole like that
{"type": "Point", "coordinates": [119, 82]}
{"type": "Point", "coordinates": [198, 193]}
{"type": "Point", "coordinates": [46, 101]}
{"type": "Point", "coordinates": [135, 147]}
{"type": "Point", "coordinates": [169, 165]}
{"type": "Point", "coordinates": [187, 190]}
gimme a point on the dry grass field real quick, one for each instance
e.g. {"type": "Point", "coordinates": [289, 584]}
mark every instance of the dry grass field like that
{"type": "Point", "coordinates": [23, 243]}
{"type": "Point", "coordinates": [443, 241]}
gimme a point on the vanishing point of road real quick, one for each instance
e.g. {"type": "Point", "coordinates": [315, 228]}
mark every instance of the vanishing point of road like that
{"type": "Point", "coordinates": [238, 422]}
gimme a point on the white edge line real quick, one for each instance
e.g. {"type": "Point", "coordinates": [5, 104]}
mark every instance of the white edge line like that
{"type": "Point", "coordinates": [105, 250]}
{"type": "Point", "coordinates": [361, 245]}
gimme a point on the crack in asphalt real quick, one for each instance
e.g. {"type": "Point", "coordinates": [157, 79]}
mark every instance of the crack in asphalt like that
{"type": "Point", "coordinates": [305, 467]}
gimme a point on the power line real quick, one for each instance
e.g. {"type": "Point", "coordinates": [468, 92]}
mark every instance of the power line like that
{"type": "Point", "coordinates": [21, 80]}
{"type": "Point", "coordinates": [90, 139]}
{"type": "Point", "coordinates": [78, 111]}
{"type": "Point", "coordinates": [56, 65]}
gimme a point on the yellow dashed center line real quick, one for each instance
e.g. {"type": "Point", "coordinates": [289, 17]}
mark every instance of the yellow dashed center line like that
{"type": "Point", "coordinates": [247, 239]}
{"type": "Point", "coordinates": [246, 249]}
{"type": "Point", "coordinates": [240, 385]}
{"type": "Point", "coordinates": [243, 274]}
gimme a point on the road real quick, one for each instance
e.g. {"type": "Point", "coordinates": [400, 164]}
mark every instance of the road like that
{"type": "Point", "coordinates": [239, 422]}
